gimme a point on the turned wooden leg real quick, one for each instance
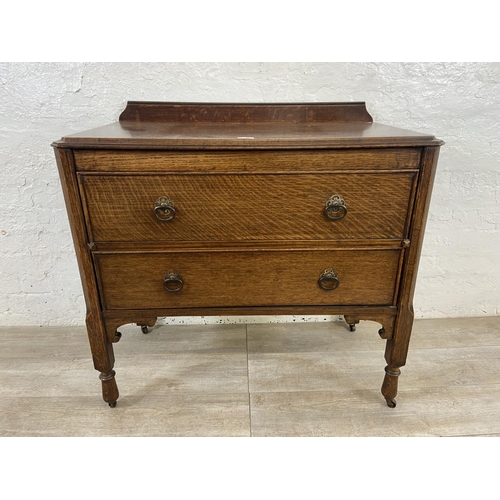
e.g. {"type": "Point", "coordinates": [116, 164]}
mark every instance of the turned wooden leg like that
{"type": "Point", "coordinates": [109, 388]}
{"type": "Point", "coordinates": [390, 385]}
{"type": "Point", "coordinates": [396, 351]}
{"type": "Point", "coordinates": [103, 357]}
{"type": "Point", "coordinates": [107, 376]}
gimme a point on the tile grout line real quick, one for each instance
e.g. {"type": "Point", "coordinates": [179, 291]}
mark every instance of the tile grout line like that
{"type": "Point", "coordinates": [248, 382]}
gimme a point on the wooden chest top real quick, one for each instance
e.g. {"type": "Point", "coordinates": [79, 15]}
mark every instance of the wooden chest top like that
{"type": "Point", "coordinates": [152, 125]}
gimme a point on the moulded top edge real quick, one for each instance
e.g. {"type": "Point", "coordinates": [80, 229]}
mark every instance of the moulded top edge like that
{"type": "Point", "coordinates": [230, 135]}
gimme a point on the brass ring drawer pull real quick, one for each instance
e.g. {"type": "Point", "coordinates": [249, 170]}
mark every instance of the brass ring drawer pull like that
{"type": "Point", "coordinates": [335, 208]}
{"type": "Point", "coordinates": [328, 279]}
{"type": "Point", "coordinates": [173, 282]}
{"type": "Point", "coordinates": [164, 209]}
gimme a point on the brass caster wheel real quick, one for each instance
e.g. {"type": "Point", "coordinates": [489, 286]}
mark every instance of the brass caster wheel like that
{"type": "Point", "coordinates": [352, 327]}
{"type": "Point", "coordinates": [144, 329]}
{"type": "Point", "coordinates": [112, 405]}
{"type": "Point", "coordinates": [381, 331]}
{"type": "Point", "coordinates": [391, 403]}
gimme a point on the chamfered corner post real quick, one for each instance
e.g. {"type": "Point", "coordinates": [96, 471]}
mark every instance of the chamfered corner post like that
{"type": "Point", "coordinates": [396, 352]}
{"type": "Point", "coordinates": [397, 346]}
{"type": "Point", "coordinates": [100, 346]}
{"type": "Point", "coordinates": [103, 357]}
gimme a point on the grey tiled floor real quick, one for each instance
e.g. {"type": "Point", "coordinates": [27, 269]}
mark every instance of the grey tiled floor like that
{"type": "Point", "coordinates": [299, 379]}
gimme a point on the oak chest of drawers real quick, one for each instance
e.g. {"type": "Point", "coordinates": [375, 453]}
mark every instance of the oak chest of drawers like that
{"type": "Point", "coordinates": [221, 209]}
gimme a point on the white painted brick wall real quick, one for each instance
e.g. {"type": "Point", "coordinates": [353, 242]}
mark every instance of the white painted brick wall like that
{"type": "Point", "coordinates": [459, 103]}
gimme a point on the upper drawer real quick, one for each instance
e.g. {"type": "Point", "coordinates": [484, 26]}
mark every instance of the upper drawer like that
{"type": "Point", "coordinates": [247, 161]}
{"type": "Point", "coordinates": [214, 207]}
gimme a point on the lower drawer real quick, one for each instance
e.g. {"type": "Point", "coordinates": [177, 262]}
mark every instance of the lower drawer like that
{"type": "Point", "coordinates": [247, 278]}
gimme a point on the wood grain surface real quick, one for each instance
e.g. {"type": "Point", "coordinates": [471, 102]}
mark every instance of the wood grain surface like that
{"type": "Point", "coordinates": [230, 279]}
{"type": "Point", "coordinates": [245, 126]}
{"type": "Point", "coordinates": [246, 207]}
{"type": "Point", "coordinates": [109, 160]}
{"type": "Point", "coordinates": [151, 111]}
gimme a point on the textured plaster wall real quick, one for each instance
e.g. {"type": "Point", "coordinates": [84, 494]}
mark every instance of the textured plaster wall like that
{"type": "Point", "coordinates": [459, 103]}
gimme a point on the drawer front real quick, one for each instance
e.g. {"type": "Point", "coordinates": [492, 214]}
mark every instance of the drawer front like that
{"type": "Point", "coordinates": [247, 161]}
{"type": "Point", "coordinates": [214, 207]}
{"type": "Point", "coordinates": [247, 278]}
